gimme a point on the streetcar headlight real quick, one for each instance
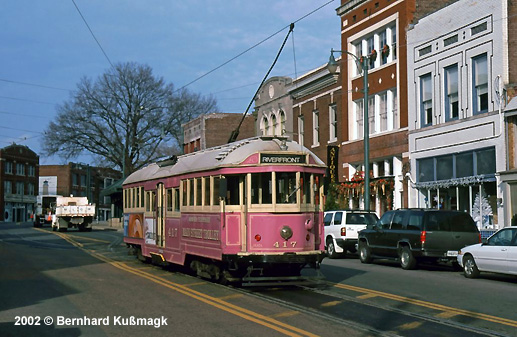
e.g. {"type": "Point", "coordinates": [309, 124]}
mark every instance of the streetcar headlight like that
{"type": "Point", "coordinates": [286, 232]}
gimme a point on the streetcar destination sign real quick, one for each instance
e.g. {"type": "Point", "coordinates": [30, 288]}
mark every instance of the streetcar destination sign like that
{"type": "Point", "coordinates": [282, 159]}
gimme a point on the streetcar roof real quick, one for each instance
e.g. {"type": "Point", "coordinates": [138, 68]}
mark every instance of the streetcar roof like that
{"type": "Point", "coordinates": [221, 156]}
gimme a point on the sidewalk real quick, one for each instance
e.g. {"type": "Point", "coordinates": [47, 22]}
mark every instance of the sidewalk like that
{"type": "Point", "coordinates": [106, 226]}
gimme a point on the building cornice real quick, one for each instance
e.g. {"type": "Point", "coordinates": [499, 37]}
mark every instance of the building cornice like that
{"type": "Point", "coordinates": [312, 85]}
{"type": "Point", "coordinates": [347, 7]}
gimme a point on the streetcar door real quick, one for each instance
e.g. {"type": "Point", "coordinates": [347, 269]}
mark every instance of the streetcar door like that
{"type": "Point", "coordinates": [160, 215]}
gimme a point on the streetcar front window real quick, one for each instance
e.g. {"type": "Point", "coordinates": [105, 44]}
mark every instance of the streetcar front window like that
{"type": "Point", "coordinates": [305, 187]}
{"type": "Point", "coordinates": [261, 188]}
{"type": "Point", "coordinates": [286, 188]}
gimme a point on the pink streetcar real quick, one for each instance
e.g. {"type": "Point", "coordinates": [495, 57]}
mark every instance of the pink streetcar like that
{"type": "Point", "coordinates": [247, 212]}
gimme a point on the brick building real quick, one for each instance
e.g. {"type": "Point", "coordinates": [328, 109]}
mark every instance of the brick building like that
{"type": "Point", "coordinates": [84, 181]}
{"type": "Point", "coordinates": [377, 27]}
{"type": "Point", "coordinates": [19, 169]}
{"type": "Point", "coordinates": [316, 113]}
{"type": "Point", "coordinates": [214, 129]}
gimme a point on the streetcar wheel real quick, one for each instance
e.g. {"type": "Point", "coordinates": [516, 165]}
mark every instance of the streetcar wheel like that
{"type": "Point", "coordinates": [365, 254]}
{"type": "Point", "coordinates": [407, 260]}
{"type": "Point", "coordinates": [470, 269]}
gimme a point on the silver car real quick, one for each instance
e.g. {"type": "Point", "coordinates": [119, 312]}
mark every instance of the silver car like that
{"type": "Point", "coordinates": [498, 254]}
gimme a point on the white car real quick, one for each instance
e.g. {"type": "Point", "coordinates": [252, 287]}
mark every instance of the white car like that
{"type": "Point", "coordinates": [342, 228]}
{"type": "Point", "coordinates": [498, 254]}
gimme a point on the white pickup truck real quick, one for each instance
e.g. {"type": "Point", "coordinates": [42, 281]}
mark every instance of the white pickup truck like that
{"type": "Point", "coordinates": [73, 212]}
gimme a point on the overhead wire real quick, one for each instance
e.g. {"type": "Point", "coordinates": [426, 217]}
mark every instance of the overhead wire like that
{"type": "Point", "coordinates": [93, 35]}
{"type": "Point", "coordinates": [254, 46]}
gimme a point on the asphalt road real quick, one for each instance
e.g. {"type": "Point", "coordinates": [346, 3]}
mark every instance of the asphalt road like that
{"type": "Point", "coordinates": [90, 276]}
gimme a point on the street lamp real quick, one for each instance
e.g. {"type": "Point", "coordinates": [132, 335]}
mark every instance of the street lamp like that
{"type": "Point", "coordinates": [363, 66]}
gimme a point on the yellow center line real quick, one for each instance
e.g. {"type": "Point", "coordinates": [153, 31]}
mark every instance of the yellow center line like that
{"type": "Point", "coordinates": [266, 321]}
{"type": "Point", "coordinates": [331, 304]}
{"type": "Point", "coordinates": [229, 297]}
{"type": "Point", "coordinates": [429, 305]}
{"type": "Point", "coordinates": [364, 297]}
{"type": "Point", "coordinates": [286, 314]}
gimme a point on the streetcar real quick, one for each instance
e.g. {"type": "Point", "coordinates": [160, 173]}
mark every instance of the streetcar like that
{"type": "Point", "coordinates": [248, 212]}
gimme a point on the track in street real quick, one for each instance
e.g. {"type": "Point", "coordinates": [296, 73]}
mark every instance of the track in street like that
{"type": "Point", "coordinates": [362, 309]}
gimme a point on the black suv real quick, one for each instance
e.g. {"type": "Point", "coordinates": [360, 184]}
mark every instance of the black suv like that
{"type": "Point", "coordinates": [413, 235]}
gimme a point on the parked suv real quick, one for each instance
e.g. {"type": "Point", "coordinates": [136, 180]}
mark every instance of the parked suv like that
{"type": "Point", "coordinates": [414, 235]}
{"type": "Point", "coordinates": [342, 228]}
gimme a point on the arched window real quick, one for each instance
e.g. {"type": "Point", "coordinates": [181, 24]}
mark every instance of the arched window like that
{"type": "Point", "coordinates": [265, 126]}
{"type": "Point", "coordinates": [274, 125]}
{"type": "Point", "coordinates": [282, 122]}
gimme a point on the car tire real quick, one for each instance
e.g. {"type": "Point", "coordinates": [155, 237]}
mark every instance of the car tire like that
{"type": "Point", "coordinates": [470, 269]}
{"type": "Point", "coordinates": [365, 254]}
{"type": "Point", "coordinates": [407, 260]}
{"type": "Point", "coordinates": [331, 249]}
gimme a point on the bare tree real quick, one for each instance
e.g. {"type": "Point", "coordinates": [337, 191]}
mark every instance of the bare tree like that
{"type": "Point", "coordinates": [123, 118]}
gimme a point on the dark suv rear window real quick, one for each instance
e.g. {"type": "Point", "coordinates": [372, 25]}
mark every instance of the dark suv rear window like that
{"type": "Point", "coordinates": [438, 221]}
{"type": "Point", "coordinates": [449, 221]}
{"type": "Point", "coordinates": [361, 219]}
{"type": "Point", "coordinates": [462, 222]}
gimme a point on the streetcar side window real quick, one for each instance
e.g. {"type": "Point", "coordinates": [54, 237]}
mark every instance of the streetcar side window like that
{"type": "Point", "coordinates": [176, 199]}
{"type": "Point", "coordinates": [199, 191]}
{"type": "Point", "coordinates": [169, 200]}
{"type": "Point", "coordinates": [286, 187]}
{"type": "Point", "coordinates": [215, 190]}
{"type": "Point", "coordinates": [261, 188]}
{"type": "Point", "coordinates": [233, 195]}
{"type": "Point", "coordinates": [184, 192]}
{"type": "Point", "coordinates": [191, 192]}
{"type": "Point", "coordinates": [173, 200]}
{"type": "Point", "coordinates": [206, 189]}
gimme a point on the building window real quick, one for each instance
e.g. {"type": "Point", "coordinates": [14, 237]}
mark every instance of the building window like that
{"type": "Point", "coordinates": [8, 187]}
{"type": "Point", "coordinates": [383, 41]}
{"type": "Point", "coordinates": [83, 180]}
{"type": "Point", "coordinates": [370, 47]}
{"type": "Point", "coordinates": [479, 28]}
{"type": "Point", "coordinates": [300, 130]}
{"type": "Point", "coordinates": [333, 122]}
{"type": "Point", "coordinates": [371, 115]}
{"type": "Point", "coordinates": [20, 169]}
{"type": "Point", "coordinates": [19, 188]}
{"type": "Point", "coordinates": [32, 171]}
{"type": "Point", "coordinates": [451, 86]}
{"type": "Point", "coordinates": [393, 42]}
{"type": "Point", "coordinates": [450, 40]}
{"type": "Point", "coordinates": [383, 111]}
{"type": "Point", "coordinates": [424, 51]}
{"type": "Point", "coordinates": [30, 189]}
{"type": "Point", "coordinates": [480, 83]}
{"type": "Point", "coordinates": [8, 168]}
{"type": "Point", "coordinates": [358, 51]}
{"type": "Point", "coordinates": [75, 179]}
{"type": "Point", "coordinates": [426, 100]}
{"type": "Point", "coordinates": [315, 128]}
{"type": "Point", "coordinates": [459, 165]}
{"type": "Point", "coordinates": [359, 113]}
{"type": "Point", "coordinates": [282, 123]}
{"type": "Point", "coordinates": [394, 108]}
{"type": "Point", "coordinates": [274, 125]}
{"type": "Point", "coordinates": [265, 126]}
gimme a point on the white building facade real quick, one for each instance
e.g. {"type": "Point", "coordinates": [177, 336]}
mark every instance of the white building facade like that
{"type": "Point", "coordinates": [458, 65]}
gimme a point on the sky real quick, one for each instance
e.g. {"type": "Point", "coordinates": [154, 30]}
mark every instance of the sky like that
{"type": "Point", "coordinates": [47, 48]}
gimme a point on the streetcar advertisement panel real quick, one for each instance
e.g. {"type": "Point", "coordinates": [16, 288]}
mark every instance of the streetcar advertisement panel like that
{"type": "Point", "coordinates": [133, 225]}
